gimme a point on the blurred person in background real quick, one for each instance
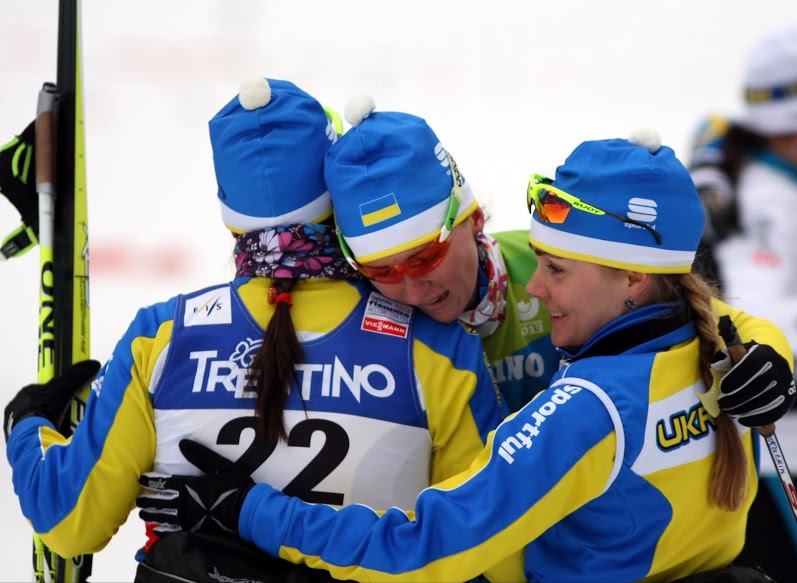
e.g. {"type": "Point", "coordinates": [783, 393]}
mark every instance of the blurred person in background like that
{"type": "Point", "coordinates": [746, 171]}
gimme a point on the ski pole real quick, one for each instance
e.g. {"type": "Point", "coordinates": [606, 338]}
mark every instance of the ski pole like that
{"type": "Point", "coordinates": [736, 350]}
{"type": "Point", "coordinates": [43, 568]}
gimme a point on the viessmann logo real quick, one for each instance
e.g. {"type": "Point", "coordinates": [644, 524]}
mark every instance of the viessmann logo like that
{"type": "Point", "coordinates": [385, 316]}
{"type": "Point", "coordinates": [389, 328]}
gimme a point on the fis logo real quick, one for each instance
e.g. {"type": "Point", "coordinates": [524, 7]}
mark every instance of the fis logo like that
{"type": "Point", "coordinates": [208, 306]}
{"type": "Point", "coordinates": [642, 209]}
{"type": "Point", "coordinates": [212, 307]}
{"type": "Point", "coordinates": [530, 431]}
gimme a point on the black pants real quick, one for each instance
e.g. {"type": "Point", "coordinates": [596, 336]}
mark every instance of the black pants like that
{"type": "Point", "coordinates": [730, 574]}
{"type": "Point", "coordinates": [199, 558]}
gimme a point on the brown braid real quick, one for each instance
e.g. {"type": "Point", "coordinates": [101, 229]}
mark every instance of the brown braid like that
{"type": "Point", "coordinates": [729, 476]}
{"type": "Point", "coordinates": [272, 368]}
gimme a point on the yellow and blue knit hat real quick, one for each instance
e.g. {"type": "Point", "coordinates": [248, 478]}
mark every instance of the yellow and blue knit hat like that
{"type": "Point", "coordinates": [269, 144]}
{"type": "Point", "coordinates": [653, 218]}
{"type": "Point", "coordinates": [390, 181]}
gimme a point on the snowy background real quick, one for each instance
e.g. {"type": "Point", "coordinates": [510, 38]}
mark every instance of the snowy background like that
{"type": "Point", "coordinates": [509, 89]}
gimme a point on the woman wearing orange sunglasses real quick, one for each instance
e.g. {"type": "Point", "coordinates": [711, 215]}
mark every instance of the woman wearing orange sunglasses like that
{"type": "Point", "coordinates": [618, 471]}
{"type": "Point", "coordinates": [410, 222]}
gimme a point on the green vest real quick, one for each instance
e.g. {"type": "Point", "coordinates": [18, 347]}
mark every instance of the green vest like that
{"type": "Point", "coordinates": [520, 352]}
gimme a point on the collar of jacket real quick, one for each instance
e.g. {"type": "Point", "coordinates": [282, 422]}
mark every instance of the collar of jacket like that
{"type": "Point", "coordinates": [631, 331]}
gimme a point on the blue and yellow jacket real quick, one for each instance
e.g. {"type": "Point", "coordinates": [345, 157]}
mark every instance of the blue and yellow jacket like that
{"type": "Point", "coordinates": [602, 477]}
{"type": "Point", "coordinates": [385, 402]}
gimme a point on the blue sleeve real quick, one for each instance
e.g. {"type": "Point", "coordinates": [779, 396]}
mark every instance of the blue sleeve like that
{"type": "Point", "coordinates": [538, 466]}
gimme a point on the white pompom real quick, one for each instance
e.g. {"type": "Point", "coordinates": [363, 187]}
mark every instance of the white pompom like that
{"type": "Point", "coordinates": [358, 108]}
{"type": "Point", "coordinates": [254, 93]}
{"type": "Point", "coordinates": [647, 138]}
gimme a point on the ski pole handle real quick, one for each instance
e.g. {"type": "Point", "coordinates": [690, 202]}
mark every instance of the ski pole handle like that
{"type": "Point", "coordinates": [45, 138]}
{"type": "Point", "coordinates": [736, 350]}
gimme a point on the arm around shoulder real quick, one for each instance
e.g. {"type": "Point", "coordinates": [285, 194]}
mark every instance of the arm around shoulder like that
{"type": "Point", "coordinates": [462, 402]}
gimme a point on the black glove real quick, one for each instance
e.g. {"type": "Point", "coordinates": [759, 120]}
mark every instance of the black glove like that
{"type": "Point", "coordinates": [159, 500]}
{"type": "Point", "coordinates": [757, 390]}
{"type": "Point", "coordinates": [50, 400]}
{"type": "Point", "coordinates": [209, 503]}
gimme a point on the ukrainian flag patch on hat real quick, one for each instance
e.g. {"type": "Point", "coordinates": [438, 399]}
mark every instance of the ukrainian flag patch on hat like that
{"type": "Point", "coordinates": [379, 210]}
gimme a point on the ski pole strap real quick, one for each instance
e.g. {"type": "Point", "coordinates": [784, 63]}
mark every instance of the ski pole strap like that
{"type": "Point", "coordinates": [17, 172]}
{"type": "Point", "coordinates": [18, 242]}
{"type": "Point", "coordinates": [17, 169]}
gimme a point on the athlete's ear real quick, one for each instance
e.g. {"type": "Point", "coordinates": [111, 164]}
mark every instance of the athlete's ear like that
{"type": "Point", "coordinates": [638, 283]}
{"type": "Point", "coordinates": [478, 220]}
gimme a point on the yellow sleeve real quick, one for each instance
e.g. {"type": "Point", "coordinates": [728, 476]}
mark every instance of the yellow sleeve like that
{"type": "Point", "coordinates": [112, 446]}
{"type": "Point", "coordinates": [508, 570]}
{"type": "Point", "coordinates": [752, 328]}
{"type": "Point", "coordinates": [461, 399]}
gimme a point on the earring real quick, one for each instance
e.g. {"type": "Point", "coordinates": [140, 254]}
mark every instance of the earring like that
{"type": "Point", "coordinates": [630, 303]}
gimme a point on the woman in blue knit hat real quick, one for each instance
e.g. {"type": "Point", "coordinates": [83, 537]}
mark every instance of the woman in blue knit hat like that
{"type": "Point", "coordinates": [298, 369]}
{"type": "Point", "coordinates": [623, 469]}
{"type": "Point", "coordinates": [410, 222]}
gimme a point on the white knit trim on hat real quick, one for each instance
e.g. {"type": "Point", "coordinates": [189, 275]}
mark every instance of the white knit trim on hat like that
{"type": "Point", "coordinates": [409, 233]}
{"type": "Point", "coordinates": [610, 253]}
{"type": "Point", "coordinates": [313, 212]}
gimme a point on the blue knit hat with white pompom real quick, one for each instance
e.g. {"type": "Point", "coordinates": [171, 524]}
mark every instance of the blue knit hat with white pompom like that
{"type": "Point", "coordinates": [391, 182]}
{"type": "Point", "coordinates": [638, 179]}
{"type": "Point", "coordinates": [269, 144]}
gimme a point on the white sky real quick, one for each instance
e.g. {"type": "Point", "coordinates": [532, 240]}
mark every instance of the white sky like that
{"type": "Point", "coordinates": [510, 87]}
